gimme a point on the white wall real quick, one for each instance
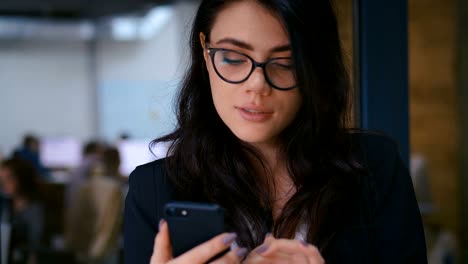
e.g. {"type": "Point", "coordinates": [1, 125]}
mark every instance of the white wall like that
{"type": "Point", "coordinates": [48, 87]}
{"type": "Point", "coordinates": [138, 80]}
{"type": "Point", "coordinates": [44, 88]}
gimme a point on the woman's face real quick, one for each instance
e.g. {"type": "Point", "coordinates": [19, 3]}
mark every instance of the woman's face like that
{"type": "Point", "coordinates": [7, 182]}
{"type": "Point", "coordinates": [254, 111]}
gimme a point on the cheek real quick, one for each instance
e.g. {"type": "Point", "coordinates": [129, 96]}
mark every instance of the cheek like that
{"type": "Point", "coordinates": [290, 107]}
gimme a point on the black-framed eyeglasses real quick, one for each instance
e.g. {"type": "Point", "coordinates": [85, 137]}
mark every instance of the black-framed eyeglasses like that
{"type": "Point", "coordinates": [235, 67]}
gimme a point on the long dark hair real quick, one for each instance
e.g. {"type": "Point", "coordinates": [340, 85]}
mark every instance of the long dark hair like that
{"type": "Point", "coordinates": [208, 163]}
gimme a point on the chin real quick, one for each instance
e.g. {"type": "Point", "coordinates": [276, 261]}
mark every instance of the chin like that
{"type": "Point", "coordinates": [253, 137]}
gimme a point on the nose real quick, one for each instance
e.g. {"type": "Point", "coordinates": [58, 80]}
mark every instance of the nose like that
{"type": "Point", "coordinates": [257, 83]}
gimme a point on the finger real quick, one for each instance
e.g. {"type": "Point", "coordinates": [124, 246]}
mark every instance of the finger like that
{"type": "Point", "coordinates": [287, 246]}
{"type": "Point", "coordinates": [290, 247]}
{"type": "Point", "coordinates": [162, 251]}
{"type": "Point", "coordinates": [253, 258]}
{"type": "Point", "coordinates": [266, 244]}
{"type": "Point", "coordinates": [204, 252]}
{"type": "Point", "coordinates": [277, 258]}
{"type": "Point", "coordinates": [300, 258]}
{"type": "Point", "coordinates": [232, 257]}
{"type": "Point", "coordinates": [313, 253]}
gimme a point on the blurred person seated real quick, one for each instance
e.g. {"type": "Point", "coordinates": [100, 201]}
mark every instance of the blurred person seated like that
{"type": "Point", "coordinates": [91, 156]}
{"type": "Point", "coordinates": [92, 153]}
{"type": "Point", "coordinates": [111, 164]}
{"type": "Point", "coordinates": [29, 151]}
{"type": "Point", "coordinates": [21, 210]}
{"type": "Point", "coordinates": [94, 217]}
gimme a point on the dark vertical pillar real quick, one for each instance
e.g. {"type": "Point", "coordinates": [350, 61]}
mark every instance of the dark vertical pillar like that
{"type": "Point", "coordinates": [381, 68]}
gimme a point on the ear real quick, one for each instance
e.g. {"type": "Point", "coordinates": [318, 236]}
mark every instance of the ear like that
{"type": "Point", "coordinates": [203, 44]}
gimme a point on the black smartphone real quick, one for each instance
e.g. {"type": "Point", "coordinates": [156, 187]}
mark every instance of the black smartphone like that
{"type": "Point", "coordinates": [191, 224]}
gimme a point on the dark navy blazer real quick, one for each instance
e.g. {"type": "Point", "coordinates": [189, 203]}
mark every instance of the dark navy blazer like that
{"type": "Point", "coordinates": [396, 235]}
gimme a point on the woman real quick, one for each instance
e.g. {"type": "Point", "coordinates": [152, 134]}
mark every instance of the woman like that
{"type": "Point", "coordinates": [261, 131]}
{"type": "Point", "coordinates": [18, 182]}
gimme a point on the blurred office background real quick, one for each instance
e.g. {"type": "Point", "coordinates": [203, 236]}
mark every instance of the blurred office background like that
{"type": "Point", "coordinates": [86, 85]}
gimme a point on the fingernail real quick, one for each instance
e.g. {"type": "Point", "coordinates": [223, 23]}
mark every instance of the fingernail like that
{"type": "Point", "coordinates": [161, 222]}
{"type": "Point", "coordinates": [229, 238]}
{"type": "Point", "coordinates": [261, 249]}
{"type": "Point", "coordinates": [268, 235]}
{"type": "Point", "coordinates": [241, 253]}
{"type": "Point", "coordinates": [305, 244]}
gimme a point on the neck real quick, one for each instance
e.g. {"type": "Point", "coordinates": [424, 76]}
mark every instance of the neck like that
{"type": "Point", "coordinates": [281, 184]}
{"type": "Point", "coordinates": [269, 153]}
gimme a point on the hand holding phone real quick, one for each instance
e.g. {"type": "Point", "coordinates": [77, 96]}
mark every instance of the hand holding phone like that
{"type": "Point", "coordinates": [191, 224]}
{"type": "Point", "coordinates": [202, 253]}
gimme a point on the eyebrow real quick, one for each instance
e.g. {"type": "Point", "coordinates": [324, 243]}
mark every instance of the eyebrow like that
{"type": "Point", "coordinates": [244, 45]}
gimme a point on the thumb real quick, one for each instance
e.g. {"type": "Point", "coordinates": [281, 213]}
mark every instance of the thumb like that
{"type": "Point", "coordinates": [162, 251]}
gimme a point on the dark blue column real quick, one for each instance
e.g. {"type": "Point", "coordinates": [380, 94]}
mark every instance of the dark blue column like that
{"type": "Point", "coordinates": [381, 68]}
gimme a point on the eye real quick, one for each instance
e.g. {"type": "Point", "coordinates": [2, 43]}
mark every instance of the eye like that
{"type": "Point", "coordinates": [232, 61]}
{"type": "Point", "coordinates": [231, 58]}
{"type": "Point", "coordinates": [285, 65]}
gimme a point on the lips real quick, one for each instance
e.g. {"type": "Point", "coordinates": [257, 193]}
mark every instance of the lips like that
{"type": "Point", "coordinates": [254, 113]}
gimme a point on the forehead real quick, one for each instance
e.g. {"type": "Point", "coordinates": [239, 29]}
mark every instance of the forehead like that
{"type": "Point", "coordinates": [250, 22]}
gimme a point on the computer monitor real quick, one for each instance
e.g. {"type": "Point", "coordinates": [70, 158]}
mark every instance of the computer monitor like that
{"type": "Point", "coordinates": [134, 153]}
{"type": "Point", "coordinates": [60, 152]}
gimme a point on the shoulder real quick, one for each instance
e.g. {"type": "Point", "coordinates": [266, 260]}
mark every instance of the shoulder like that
{"type": "Point", "coordinates": [143, 171]}
{"type": "Point", "coordinates": [147, 193]}
{"type": "Point", "coordinates": [149, 178]}
{"type": "Point", "coordinates": [380, 156]}
{"type": "Point", "coordinates": [149, 174]}
{"type": "Point", "coordinates": [376, 151]}
{"type": "Point", "coordinates": [149, 187]}
{"type": "Point", "coordinates": [374, 146]}
{"type": "Point", "coordinates": [394, 214]}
